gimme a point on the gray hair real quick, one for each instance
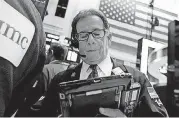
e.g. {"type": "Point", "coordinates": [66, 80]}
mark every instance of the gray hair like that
{"type": "Point", "coordinates": [85, 13]}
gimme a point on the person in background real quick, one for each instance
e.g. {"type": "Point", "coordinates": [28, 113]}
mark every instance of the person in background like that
{"type": "Point", "coordinates": [57, 54]}
{"type": "Point", "coordinates": [15, 80]}
{"type": "Point", "coordinates": [91, 34]}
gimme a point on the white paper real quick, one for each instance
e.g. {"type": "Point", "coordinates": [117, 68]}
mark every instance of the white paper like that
{"type": "Point", "coordinates": [16, 33]}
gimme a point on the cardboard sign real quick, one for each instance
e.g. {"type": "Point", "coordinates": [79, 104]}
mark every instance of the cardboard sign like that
{"type": "Point", "coordinates": [16, 33]}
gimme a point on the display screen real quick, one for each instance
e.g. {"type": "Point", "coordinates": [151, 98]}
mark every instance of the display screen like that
{"type": "Point", "coordinates": [72, 56]}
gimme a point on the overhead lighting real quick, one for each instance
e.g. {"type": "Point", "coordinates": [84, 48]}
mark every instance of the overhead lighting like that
{"type": "Point", "coordinates": [52, 36]}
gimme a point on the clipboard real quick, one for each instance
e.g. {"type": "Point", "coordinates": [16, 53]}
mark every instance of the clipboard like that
{"type": "Point", "coordinates": [83, 98]}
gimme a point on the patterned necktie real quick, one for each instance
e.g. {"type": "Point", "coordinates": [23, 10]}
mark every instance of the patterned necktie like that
{"type": "Point", "coordinates": [94, 72]}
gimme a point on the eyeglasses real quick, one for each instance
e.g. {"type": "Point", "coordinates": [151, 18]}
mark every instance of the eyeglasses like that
{"type": "Point", "coordinates": [97, 34]}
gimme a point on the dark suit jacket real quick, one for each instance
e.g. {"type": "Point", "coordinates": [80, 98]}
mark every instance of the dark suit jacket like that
{"type": "Point", "coordinates": [146, 105]}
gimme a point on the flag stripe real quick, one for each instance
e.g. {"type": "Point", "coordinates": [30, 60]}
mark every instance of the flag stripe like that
{"type": "Point", "coordinates": [139, 30]}
{"type": "Point", "coordinates": [163, 29]}
{"type": "Point", "coordinates": [159, 28]}
{"type": "Point", "coordinates": [122, 40]}
{"type": "Point", "coordinates": [126, 32]}
{"type": "Point", "coordinates": [148, 11]}
{"type": "Point", "coordinates": [127, 40]}
{"type": "Point", "coordinates": [138, 24]}
{"type": "Point", "coordinates": [162, 18]}
{"type": "Point", "coordinates": [157, 9]}
{"type": "Point", "coordinates": [132, 35]}
{"type": "Point", "coordinates": [160, 24]}
{"type": "Point", "coordinates": [125, 37]}
{"type": "Point", "coordinates": [140, 15]}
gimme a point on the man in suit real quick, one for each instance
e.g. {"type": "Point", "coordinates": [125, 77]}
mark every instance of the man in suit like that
{"type": "Point", "coordinates": [90, 33]}
{"type": "Point", "coordinates": [57, 53]}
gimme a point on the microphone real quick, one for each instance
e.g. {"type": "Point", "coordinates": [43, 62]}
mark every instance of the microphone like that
{"type": "Point", "coordinates": [82, 55]}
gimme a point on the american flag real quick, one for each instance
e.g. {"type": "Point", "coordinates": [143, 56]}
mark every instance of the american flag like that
{"type": "Point", "coordinates": [129, 21]}
{"type": "Point", "coordinates": [123, 11]}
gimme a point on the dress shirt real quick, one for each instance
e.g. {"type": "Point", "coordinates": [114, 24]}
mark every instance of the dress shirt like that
{"type": "Point", "coordinates": [104, 68]}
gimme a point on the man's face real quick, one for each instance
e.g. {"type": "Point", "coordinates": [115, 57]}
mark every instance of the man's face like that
{"type": "Point", "coordinates": [95, 49]}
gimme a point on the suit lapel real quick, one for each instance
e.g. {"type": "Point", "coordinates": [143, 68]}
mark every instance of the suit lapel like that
{"type": "Point", "coordinates": [113, 63]}
{"type": "Point", "coordinates": [76, 73]}
{"type": "Point", "coordinates": [117, 64]}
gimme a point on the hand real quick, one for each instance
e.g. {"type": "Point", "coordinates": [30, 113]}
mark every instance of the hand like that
{"type": "Point", "coordinates": [111, 112]}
